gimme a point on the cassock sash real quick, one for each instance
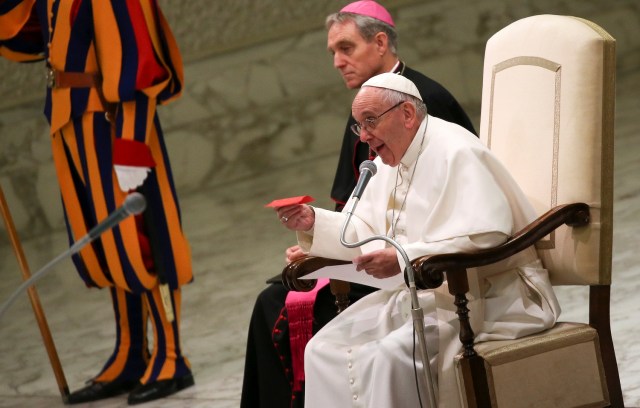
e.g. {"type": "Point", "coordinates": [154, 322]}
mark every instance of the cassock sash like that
{"type": "Point", "coordinates": [300, 313]}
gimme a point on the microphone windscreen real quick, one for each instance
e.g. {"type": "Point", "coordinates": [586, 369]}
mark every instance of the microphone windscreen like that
{"type": "Point", "coordinates": [135, 203]}
{"type": "Point", "coordinates": [368, 165]}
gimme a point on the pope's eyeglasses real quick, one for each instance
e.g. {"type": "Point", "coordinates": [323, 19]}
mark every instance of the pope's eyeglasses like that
{"type": "Point", "coordinates": [370, 123]}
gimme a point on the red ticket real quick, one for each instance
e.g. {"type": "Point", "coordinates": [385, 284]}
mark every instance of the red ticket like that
{"type": "Point", "coordinates": [290, 201]}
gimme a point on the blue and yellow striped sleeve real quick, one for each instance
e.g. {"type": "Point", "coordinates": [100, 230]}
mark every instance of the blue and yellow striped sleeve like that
{"type": "Point", "coordinates": [139, 61]}
{"type": "Point", "coordinates": [20, 33]}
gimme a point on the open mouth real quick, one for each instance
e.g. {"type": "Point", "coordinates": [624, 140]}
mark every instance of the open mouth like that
{"type": "Point", "coordinates": [377, 148]}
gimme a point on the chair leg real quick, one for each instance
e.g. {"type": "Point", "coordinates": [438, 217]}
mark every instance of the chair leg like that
{"type": "Point", "coordinates": [474, 374]}
{"type": "Point", "coordinates": [340, 289]}
{"type": "Point", "coordinates": [475, 382]}
{"type": "Point", "coordinates": [599, 305]}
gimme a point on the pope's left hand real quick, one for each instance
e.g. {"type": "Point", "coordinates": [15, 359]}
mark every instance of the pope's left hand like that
{"type": "Point", "coordinates": [380, 264]}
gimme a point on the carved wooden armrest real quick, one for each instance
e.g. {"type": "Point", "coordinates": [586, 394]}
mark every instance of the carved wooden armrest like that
{"type": "Point", "coordinates": [292, 273]}
{"type": "Point", "coordinates": [429, 270]}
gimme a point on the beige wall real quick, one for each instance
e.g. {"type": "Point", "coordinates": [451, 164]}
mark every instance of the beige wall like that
{"type": "Point", "coordinates": [261, 92]}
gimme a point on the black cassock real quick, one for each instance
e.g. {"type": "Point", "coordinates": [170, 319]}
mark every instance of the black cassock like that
{"type": "Point", "coordinates": [268, 375]}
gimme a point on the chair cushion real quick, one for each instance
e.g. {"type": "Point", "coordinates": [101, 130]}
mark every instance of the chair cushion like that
{"type": "Point", "coordinates": [560, 367]}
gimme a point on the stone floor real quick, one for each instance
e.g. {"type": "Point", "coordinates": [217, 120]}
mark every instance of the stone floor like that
{"type": "Point", "coordinates": [237, 244]}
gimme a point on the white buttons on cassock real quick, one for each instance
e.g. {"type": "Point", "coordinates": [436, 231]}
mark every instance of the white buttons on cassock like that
{"type": "Point", "coordinates": [405, 307]}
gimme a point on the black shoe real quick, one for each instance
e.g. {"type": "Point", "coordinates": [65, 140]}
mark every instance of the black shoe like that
{"type": "Point", "coordinates": [100, 390]}
{"type": "Point", "coordinates": [159, 389]}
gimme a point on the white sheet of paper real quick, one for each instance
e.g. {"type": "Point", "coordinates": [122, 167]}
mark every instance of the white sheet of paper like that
{"type": "Point", "coordinates": [348, 272]}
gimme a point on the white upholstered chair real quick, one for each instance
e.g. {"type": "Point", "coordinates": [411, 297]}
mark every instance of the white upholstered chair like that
{"type": "Point", "coordinates": [548, 103]}
{"type": "Point", "coordinates": [548, 114]}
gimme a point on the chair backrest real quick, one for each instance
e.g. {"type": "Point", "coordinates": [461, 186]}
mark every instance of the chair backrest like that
{"type": "Point", "coordinates": [548, 114]}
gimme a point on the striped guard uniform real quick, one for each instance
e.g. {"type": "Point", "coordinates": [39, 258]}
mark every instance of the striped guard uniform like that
{"type": "Point", "coordinates": [129, 47]}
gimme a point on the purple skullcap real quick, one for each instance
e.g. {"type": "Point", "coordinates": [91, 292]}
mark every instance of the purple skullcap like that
{"type": "Point", "coordinates": [369, 8]}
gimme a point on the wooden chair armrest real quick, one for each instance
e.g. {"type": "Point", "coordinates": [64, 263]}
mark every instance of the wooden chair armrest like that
{"type": "Point", "coordinates": [304, 266]}
{"type": "Point", "coordinates": [429, 270]}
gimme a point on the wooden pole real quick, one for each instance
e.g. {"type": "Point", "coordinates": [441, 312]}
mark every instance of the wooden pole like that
{"type": "Point", "coordinates": [35, 301]}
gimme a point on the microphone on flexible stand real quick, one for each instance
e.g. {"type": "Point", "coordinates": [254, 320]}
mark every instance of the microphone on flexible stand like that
{"type": "Point", "coordinates": [367, 170]}
{"type": "Point", "coordinates": [133, 204]}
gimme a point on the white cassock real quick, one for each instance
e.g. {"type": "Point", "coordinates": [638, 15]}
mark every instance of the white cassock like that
{"type": "Point", "coordinates": [452, 195]}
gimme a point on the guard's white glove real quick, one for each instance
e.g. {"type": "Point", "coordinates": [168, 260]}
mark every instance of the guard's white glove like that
{"type": "Point", "coordinates": [132, 163]}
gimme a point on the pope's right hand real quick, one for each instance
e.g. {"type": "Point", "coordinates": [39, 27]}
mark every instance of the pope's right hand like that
{"type": "Point", "coordinates": [297, 217]}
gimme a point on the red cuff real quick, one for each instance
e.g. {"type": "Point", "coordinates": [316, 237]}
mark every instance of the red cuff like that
{"type": "Point", "coordinates": [132, 153]}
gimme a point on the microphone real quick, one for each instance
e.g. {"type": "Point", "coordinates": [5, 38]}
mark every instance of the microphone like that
{"type": "Point", "coordinates": [367, 170]}
{"type": "Point", "coordinates": [133, 204]}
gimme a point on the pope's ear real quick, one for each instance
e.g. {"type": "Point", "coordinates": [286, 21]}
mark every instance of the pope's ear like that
{"type": "Point", "coordinates": [410, 113]}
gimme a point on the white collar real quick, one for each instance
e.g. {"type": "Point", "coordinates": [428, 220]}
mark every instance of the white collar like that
{"type": "Point", "coordinates": [415, 148]}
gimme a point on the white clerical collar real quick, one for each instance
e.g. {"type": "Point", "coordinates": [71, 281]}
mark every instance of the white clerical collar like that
{"type": "Point", "coordinates": [395, 66]}
{"type": "Point", "coordinates": [415, 148]}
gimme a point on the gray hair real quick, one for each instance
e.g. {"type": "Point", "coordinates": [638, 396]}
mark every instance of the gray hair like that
{"type": "Point", "coordinates": [367, 26]}
{"type": "Point", "coordinates": [394, 97]}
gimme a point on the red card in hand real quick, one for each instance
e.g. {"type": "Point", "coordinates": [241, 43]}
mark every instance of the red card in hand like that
{"type": "Point", "coordinates": [290, 201]}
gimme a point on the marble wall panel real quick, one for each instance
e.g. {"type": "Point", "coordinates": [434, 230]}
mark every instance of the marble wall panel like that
{"type": "Point", "coordinates": [261, 92]}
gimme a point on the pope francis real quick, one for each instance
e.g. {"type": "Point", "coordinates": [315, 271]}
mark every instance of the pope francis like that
{"type": "Point", "coordinates": [437, 189]}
